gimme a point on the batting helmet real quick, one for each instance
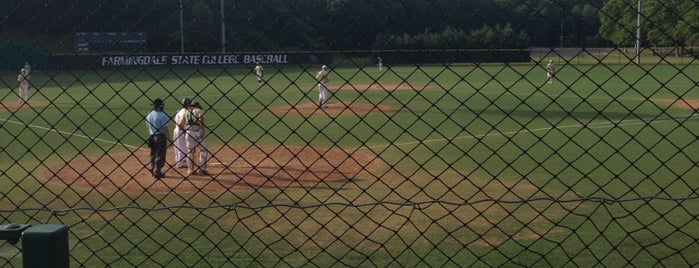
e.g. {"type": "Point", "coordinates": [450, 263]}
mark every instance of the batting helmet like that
{"type": "Point", "coordinates": [186, 102]}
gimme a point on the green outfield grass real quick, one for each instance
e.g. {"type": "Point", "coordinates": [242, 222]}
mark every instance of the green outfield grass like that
{"type": "Point", "coordinates": [481, 164]}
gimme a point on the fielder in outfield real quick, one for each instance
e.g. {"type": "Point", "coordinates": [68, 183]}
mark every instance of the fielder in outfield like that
{"type": "Point", "coordinates": [23, 82]}
{"type": "Point", "coordinates": [550, 72]}
{"type": "Point", "coordinates": [323, 77]}
{"type": "Point", "coordinates": [180, 135]}
{"type": "Point", "coordinates": [259, 72]}
{"type": "Point", "coordinates": [28, 68]}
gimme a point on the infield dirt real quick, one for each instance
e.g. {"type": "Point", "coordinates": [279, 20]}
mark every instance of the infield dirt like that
{"type": "Point", "coordinates": [230, 168]}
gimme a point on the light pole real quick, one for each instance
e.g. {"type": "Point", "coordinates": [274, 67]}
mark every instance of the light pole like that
{"type": "Point", "coordinates": [638, 33]}
{"type": "Point", "coordinates": [181, 29]}
{"type": "Point", "coordinates": [561, 33]}
{"type": "Point", "coordinates": [223, 30]}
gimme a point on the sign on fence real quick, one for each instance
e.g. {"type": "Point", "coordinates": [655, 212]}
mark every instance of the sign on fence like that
{"type": "Point", "coordinates": [179, 59]}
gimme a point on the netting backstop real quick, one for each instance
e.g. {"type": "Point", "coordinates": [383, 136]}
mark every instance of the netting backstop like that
{"type": "Point", "coordinates": [454, 133]}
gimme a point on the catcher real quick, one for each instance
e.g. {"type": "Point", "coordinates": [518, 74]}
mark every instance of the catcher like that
{"type": "Point", "coordinates": [193, 123]}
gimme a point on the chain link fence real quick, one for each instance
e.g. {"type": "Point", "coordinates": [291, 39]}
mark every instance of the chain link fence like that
{"type": "Point", "coordinates": [455, 133]}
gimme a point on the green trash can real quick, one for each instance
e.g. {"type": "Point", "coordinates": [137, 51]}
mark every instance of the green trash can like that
{"type": "Point", "coordinates": [45, 246]}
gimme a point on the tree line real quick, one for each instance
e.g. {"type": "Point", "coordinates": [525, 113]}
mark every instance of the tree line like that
{"type": "Point", "coordinates": [254, 25]}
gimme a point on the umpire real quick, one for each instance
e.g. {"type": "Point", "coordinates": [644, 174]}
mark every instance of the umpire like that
{"type": "Point", "coordinates": [157, 128]}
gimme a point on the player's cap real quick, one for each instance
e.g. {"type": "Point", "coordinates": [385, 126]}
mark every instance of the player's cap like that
{"type": "Point", "coordinates": [158, 103]}
{"type": "Point", "coordinates": [186, 102]}
{"type": "Point", "coordinates": [324, 67]}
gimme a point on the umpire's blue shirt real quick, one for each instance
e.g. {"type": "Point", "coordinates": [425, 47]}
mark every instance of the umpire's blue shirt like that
{"type": "Point", "coordinates": [157, 122]}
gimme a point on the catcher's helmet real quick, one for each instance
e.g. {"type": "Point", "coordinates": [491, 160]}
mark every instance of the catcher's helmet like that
{"type": "Point", "coordinates": [186, 102]}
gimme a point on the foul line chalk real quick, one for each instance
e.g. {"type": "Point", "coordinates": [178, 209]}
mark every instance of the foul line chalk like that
{"type": "Point", "coordinates": [52, 129]}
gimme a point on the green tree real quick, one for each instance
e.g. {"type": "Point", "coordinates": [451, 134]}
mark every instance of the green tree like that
{"type": "Point", "coordinates": [342, 24]}
{"type": "Point", "coordinates": [664, 22]}
{"type": "Point", "coordinates": [618, 21]}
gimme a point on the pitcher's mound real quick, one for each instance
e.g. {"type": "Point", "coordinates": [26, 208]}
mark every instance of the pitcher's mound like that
{"type": "Point", "coordinates": [380, 86]}
{"type": "Point", "coordinates": [332, 108]}
{"type": "Point", "coordinates": [689, 104]}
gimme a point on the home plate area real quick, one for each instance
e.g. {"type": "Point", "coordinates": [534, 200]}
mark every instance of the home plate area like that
{"type": "Point", "coordinates": [230, 168]}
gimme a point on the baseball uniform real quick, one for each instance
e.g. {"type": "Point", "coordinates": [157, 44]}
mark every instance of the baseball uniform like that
{"type": "Point", "coordinates": [23, 81]}
{"type": "Point", "coordinates": [193, 122]}
{"type": "Point", "coordinates": [323, 77]}
{"type": "Point", "coordinates": [550, 72]}
{"type": "Point", "coordinates": [180, 136]}
{"type": "Point", "coordinates": [259, 71]}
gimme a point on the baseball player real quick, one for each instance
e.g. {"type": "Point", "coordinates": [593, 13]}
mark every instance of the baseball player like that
{"type": "Point", "coordinates": [27, 67]}
{"type": "Point", "coordinates": [193, 122]}
{"type": "Point", "coordinates": [180, 135]}
{"type": "Point", "coordinates": [550, 72]}
{"type": "Point", "coordinates": [323, 77]}
{"type": "Point", "coordinates": [380, 64]}
{"type": "Point", "coordinates": [23, 82]}
{"type": "Point", "coordinates": [259, 71]}
{"type": "Point", "coordinates": [156, 121]}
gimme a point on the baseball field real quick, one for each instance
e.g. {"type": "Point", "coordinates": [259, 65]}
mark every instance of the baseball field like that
{"type": "Point", "coordinates": [442, 165]}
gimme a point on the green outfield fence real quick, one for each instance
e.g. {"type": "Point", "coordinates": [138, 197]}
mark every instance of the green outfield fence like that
{"type": "Point", "coordinates": [443, 142]}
